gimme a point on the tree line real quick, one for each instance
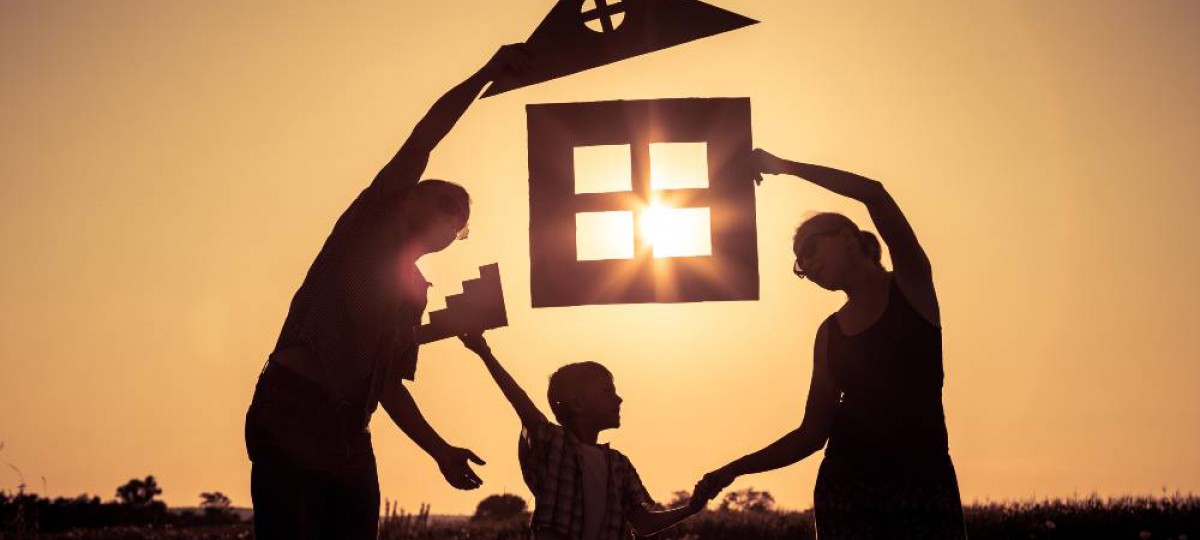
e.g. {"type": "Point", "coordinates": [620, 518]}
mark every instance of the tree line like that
{"type": "Point", "coordinates": [135, 504]}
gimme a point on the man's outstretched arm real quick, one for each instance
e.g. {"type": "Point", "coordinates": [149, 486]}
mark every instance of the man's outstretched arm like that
{"type": "Point", "coordinates": [406, 167]}
{"type": "Point", "coordinates": [452, 461]}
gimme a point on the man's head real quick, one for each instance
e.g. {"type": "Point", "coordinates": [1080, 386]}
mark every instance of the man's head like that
{"type": "Point", "coordinates": [583, 394]}
{"type": "Point", "coordinates": [435, 213]}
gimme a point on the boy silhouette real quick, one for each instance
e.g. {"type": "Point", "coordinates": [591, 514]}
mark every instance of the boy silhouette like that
{"type": "Point", "coordinates": [582, 490]}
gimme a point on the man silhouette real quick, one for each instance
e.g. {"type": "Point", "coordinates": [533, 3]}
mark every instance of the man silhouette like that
{"type": "Point", "coordinates": [348, 341]}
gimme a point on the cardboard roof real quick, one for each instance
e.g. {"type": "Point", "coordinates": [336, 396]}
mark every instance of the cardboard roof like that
{"type": "Point", "coordinates": [563, 44]}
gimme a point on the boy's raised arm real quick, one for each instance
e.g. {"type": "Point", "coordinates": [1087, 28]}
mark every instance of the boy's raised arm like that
{"type": "Point", "coordinates": [526, 410]}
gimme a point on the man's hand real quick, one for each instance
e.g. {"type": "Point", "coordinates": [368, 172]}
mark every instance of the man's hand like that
{"type": "Point", "coordinates": [454, 466]}
{"type": "Point", "coordinates": [475, 343]}
{"type": "Point", "coordinates": [514, 58]}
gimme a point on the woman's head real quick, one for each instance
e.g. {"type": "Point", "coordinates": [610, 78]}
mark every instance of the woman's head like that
{"type": "Point", "coordinates": [436, 212]}
{"type": "Point", "coordinates": [829, 246]}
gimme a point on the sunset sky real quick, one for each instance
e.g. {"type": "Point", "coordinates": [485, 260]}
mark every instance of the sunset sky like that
{"type": "Point", "coordinates": [170, 169]}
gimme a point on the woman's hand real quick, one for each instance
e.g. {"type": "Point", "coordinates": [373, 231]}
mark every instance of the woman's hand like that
{"type": "Point", "coordinates": [767, 163]}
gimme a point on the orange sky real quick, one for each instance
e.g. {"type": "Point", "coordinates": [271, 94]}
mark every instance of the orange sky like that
{"type": "Point", "coordinates": [169, 170]}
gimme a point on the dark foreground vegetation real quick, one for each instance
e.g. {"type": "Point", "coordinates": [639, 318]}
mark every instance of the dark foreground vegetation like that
{"type": "Point", "coordinates": [741, 515]}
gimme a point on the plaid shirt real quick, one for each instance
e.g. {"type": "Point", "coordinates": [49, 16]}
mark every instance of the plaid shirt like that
{"type": "Point", "coordinates": [549, 457]}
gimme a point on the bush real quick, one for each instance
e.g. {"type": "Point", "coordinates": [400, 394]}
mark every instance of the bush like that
{"type": "Point", "coordinates": [502, 507]}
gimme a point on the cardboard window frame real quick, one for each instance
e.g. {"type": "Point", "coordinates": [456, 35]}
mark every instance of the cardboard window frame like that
{"type": "Point", "coordinates": [554, 130]}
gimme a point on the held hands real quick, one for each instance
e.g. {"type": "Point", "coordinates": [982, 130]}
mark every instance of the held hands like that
{"type": "Point", "coordinates": [453, 463]}
{"type": "Point", "coordinates": [711, 485]}
{"type": "Point", "coordinates": [514, 58]}
{"type": "Point", "coordinates": [699, 499]}
{"type": "Point", "coordinates": [697, 502]}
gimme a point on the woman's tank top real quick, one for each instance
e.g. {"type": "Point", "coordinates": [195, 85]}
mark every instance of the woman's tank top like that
{"type": "Point", "coordinates": [890, 381]}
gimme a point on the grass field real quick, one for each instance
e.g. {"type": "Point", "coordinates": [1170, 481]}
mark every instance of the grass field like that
{"type": "Point", "coordinates": [1139, 518]}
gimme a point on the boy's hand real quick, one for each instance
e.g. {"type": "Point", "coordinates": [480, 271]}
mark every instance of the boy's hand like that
{"type": "Point", "coordinates": [475, 343]}
{"type": "Point", "coordinates": [697, 502]}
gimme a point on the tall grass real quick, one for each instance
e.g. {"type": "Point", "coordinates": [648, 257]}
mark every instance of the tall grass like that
{"type": "Point", "coordinates": [1173, 517]}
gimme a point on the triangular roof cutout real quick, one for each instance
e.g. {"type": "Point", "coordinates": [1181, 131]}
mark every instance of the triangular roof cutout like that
{"type": "Point", "coordinates": [579, 35]}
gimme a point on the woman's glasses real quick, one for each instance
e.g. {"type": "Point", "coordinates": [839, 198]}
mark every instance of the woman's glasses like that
{"type": "Point", "coordinates": [807, 249]}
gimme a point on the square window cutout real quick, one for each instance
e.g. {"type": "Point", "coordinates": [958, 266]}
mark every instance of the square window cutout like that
{"type": "Point", "coordinates": [678, 232]}
{"type": "Point", "coordinates": [679, 165]}
{"type": "Point", "coordinates": [603, 169]}
{"type": "Point", "coordinates": [603, 235]}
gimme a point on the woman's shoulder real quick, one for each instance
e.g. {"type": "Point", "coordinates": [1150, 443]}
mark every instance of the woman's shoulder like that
{"type": "Point", "coordinates": [922, 303]}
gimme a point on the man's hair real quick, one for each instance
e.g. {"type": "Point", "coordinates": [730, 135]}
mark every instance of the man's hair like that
{"type": "Point", "coordinates": [430, 196]}
{"type": "Point", "coordinates": [568, 381]}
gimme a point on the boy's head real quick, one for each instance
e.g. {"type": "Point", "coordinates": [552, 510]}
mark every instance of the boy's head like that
{"type": "Point", "coordinates": [583, 394]}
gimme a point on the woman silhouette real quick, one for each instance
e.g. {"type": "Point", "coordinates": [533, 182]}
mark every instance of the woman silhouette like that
{"type": "Point", "coordinates": [875, 395]}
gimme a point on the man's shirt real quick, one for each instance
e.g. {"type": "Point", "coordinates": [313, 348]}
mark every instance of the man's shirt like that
{"type": "Point", "coordinates": [358, 306]}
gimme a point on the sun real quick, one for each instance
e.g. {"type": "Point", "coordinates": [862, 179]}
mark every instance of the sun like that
{"type": "Point", "coordinates": [677, 171]}
{"type": "Point", "coordinates": [677, 232]}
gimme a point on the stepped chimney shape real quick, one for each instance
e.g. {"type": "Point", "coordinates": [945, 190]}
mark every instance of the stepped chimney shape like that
{"type": "Point", "coordinates": [479, 307]}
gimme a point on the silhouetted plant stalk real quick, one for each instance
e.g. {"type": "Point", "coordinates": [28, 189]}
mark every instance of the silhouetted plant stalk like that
{"type": "Point", "coordinates": [398, 525]}
{"type": "Point", "coordinates": [25, 523]}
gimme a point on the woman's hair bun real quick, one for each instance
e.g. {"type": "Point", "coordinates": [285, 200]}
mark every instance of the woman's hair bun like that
{"type": "Point", "coordinates": [870, 246]}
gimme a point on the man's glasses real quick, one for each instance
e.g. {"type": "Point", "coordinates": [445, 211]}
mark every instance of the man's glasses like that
{"type": "Point", "coordinates": [797, 270]}
{"type": "Point", "coordinates": [450, 207]}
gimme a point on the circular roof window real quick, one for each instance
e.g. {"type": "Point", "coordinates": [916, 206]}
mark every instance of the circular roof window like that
{"type": "Point", "coordinates": [603, 15]}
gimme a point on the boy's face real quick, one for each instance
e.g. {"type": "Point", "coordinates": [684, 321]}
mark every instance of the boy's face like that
{"type": "Point", "coordinates": [598, 403]}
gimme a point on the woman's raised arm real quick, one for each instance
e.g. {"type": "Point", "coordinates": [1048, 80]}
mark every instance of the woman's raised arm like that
{"type": "Point", "coordinates": [796, 445]}
{"type": "Point", "coordinates": [913, 271]}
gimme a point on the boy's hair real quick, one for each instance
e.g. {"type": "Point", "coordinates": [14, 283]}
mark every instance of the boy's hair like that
{"type": "Point", "coordinates": [568, 381]}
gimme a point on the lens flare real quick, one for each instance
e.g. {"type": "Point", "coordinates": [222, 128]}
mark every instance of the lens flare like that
{"type": "Point", "coordinates": [677, 232]}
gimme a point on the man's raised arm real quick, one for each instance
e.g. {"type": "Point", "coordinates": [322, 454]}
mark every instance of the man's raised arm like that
{"type": "Point", "coordinates": [406, 167]}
